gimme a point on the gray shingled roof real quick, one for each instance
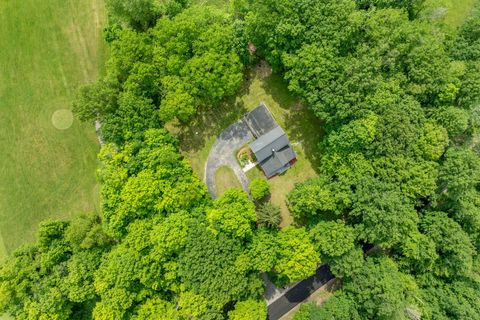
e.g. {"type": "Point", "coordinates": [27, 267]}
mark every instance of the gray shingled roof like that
{"type": "Point", "coordinates": [273, 151]}
{"type": "Point", "coordinates": [275, 139]}
{"type": "Point", "coordinates": [278, 162]}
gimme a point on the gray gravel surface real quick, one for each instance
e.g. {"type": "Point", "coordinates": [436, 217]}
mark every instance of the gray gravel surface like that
{"type": "Point", "coordinates": [223, 154]}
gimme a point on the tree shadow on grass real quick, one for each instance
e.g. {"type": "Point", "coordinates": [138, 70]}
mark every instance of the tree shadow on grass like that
{"type": "Point", "coordinates": [307, 129]}
{"type": "Point", "coordinates": [300, 123]}
{"type": "Point", "coordinates": [210, 121]}
{"type": "Point", "coordinates": [276, 86]}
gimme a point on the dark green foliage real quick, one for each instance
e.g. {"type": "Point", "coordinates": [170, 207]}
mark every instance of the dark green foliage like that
{"type": "Point", "coordinates": [348, 264]}
{"type": "Point", "coordinates": [182, 63]}
{"type": "Point", "coordinates": [418, 253]}
{"type": "Point", "coordinates": [467, 44]}
{"type": "Point", "coordinates": [456, 300]}
{"type": "Point", "coordinates": [139, 14]}
{"type": "Point", "coordinates": [460, 171]}
{"type": "Point", "coordinates": [413, 7]}
{"type": "Point", "coordinates": [380, 291]}
{"type": "Point", "coordinates": [398, 97]}
{"type": "Point", "coordinates": [391, 96]}
{"type": "Point", "coordinates": [333, 238]}
{"type": "Point", "coordinates": [454, 119]}
{"type": "Point", "coordinates": [95, 99]}
{"type": "Point", "coordinates": [459, 179]}
{"type": "Point", "coordinates": [53, 278]}
{"type": "Point", "coordinates": [469, 94]}
{"type": "Point", "coordinates": [194, 51]}
{"type": "Point", "coordinates": [268, 215]}
{"type": "Point", "coordinates": [453, 246]}
{"type": "Point", "coordinates": [282, 26]}
{"type": "Point", "coordinates": [135, 115]}
{"type": "Point", "coordinates": [387, 216]}
{"type": "Point", "coordinates": [207, 267]}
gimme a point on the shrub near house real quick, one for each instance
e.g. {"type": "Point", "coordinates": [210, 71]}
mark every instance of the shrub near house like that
{"type": "Point", "coordinates": [259, 189]}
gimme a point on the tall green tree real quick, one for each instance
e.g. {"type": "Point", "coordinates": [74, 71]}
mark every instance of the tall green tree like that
{"type": "Point", "coordinates": [297, 258]}
{"type": "Point", "coordinates": [233, 213]}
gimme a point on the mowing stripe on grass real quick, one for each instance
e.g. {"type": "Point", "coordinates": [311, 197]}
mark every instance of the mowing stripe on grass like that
{"type": "Point", "coordinates": [47, 159]}
{"type": "Point", "coordinates": [3, 249]}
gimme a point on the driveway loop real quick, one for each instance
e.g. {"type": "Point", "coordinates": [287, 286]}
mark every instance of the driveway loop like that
{"type": "Point", "coordinates": [223, 153]}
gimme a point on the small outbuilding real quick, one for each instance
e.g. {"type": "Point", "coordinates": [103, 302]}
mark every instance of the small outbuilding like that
{"type": "Point", "coordinates": [272, 148]}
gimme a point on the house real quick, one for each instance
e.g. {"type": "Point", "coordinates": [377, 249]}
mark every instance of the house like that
{"type": "Point", "coordinates": [271, 148]}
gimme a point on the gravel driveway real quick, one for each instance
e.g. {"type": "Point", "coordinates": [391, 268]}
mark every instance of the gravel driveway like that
{"type": "Point", "coordinates": [223, 154]}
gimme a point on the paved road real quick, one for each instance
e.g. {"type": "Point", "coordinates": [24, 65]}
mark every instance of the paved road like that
{"type": "Point", "coordinates": [223, 154]}
{"type": "Point", "coordinates": [298, 293]}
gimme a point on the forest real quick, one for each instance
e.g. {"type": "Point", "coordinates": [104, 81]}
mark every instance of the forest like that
{"type": "Point", "coordinates": [398, 93]}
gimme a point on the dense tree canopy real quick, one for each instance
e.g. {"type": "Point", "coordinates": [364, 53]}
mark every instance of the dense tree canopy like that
{"type": "Point", "coordinates": [180, 64]}
{"type": "Point", "coordinates": [398, 93]}
{"type": "Point", "coordinates": [399, 101]}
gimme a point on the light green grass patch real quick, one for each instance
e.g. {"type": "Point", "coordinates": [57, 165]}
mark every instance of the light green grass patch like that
{"type": "Point", "coordinates": [3, 250]}
{"type": "Point", "coordinates": [281, 185]}
{"type": "Point", "coordinates": [226, 179]}
{"type": "Point", "coordinates": [452, 12]}
{"type": "Point", "coordinates": [47, 162]}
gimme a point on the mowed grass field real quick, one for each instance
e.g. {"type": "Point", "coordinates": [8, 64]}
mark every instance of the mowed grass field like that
{"type": "Point", "coordinates": [47, 49]}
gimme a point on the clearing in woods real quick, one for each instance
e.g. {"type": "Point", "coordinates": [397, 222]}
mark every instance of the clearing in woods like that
{"type": "Point", "coordinates": [47, 158]}
{"type": "Point", "coordinates": [303, 129]}
{"type": "Point", "coordinates": [452, 12]}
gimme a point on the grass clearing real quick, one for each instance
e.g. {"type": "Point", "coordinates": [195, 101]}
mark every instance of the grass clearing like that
{"type": "Point", "coordinates": [47, 169]}
{"type": "Point", "coordinates": [453, 12]}
{"type": "Point", "coordinates": [226, 179]}
{"type": "Point", "coordinates": [303, 128]}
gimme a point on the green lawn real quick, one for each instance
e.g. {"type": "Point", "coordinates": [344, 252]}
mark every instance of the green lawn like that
{"type": "Point", "coordinates": [48, 48]}
{"type": "Point", "coordinates": [302, 127]}
{"type": "Point", "coordinates": [453, 12]}
{"type": "Point", "coordinates": [226, 179]}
